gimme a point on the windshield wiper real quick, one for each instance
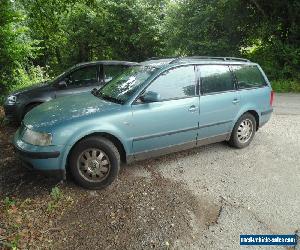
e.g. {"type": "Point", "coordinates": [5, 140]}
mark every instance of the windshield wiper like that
{"type": "Point", "coordinates": [107, 98]}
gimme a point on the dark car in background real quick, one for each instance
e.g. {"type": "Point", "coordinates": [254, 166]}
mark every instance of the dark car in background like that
{"type": "Point", "coordinates": [80, 78]}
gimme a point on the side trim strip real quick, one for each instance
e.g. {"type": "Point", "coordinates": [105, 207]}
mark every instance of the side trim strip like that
{"type": "Point", "coordinates": [163, 134]}
{"type": "Point", "coordinates": [37, 155]}
{"type": "Point", "coordinates": [175, 148]}
{"type": "Point", "coordinates": [267, 112]}
{"type": "Point", "coordinates": [215, 124]}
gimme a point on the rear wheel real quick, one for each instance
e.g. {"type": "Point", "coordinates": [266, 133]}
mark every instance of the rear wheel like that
{"type": "Point", "coordinates": [94, 162]}
{"type": "Point", "coordinates": [243, 131]}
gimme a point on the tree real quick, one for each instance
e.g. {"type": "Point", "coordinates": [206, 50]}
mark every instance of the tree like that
{"type": "Point", "coordinates": [16, 46]}
{"type": "Point", "coordinates": [265, 31]}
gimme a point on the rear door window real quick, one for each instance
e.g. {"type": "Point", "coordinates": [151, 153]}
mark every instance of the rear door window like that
{"type": "Point", "coordinates": [215, 79]}
{"type": "Point", "coordinates": [248, 76]}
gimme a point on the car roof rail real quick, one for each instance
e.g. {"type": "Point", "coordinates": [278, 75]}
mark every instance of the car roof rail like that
{"type": "Point", "coordinates": [211, 58]}
{"type": "Point", "coordinates": [161, 58]}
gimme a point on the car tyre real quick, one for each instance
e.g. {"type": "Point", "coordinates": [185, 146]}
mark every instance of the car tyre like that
{"type": "Point", "coordinates": [243, 131]}
{"type": "Point", "coordinates": [94, 162]}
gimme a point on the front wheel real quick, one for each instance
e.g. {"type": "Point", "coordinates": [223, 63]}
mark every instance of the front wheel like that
{"type": "Point", "coordinates": [94, 162]}
{"type": "Point", "coordinates": [243, 131]}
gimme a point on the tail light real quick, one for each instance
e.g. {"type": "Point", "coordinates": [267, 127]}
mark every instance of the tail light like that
{"type": "Point", "coordinates": [272, 98]}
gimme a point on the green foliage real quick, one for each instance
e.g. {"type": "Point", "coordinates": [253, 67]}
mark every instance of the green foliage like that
{"type": "Point", "coordinates": [200, 27]}
{"type": "Point", "coordinates": [41, 38]}
{"type": "Point", "coordinates": [75, 31]}
{"type": "Point", "coordinates": [265, 31]}
{"type": "Point", "coordinates": [30, 76]}
{"type": "Point", "coordinates": [16, 46]}
{"type": "Point", "coordinates": [286, 86]}
{"type": "Point", "coordinates": [9, 202]}
{"type": "Point", "coordinates": [56, 195]}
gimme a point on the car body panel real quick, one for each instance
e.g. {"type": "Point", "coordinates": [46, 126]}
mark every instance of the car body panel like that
{"type": "Point", "coordinates": [152, 128]}
{"type": "Point", "coordinates": [74, 107]}
{"type": "Point", "coordinates": [217, 113]}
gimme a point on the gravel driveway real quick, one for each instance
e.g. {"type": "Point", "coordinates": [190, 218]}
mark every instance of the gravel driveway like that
{"type": "Point", "coordinates": [198, 199]}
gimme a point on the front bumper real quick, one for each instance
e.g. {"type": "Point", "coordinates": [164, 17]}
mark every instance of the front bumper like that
{"type": "Point", "coordinates": [37, 155]}
{"type": "Point", "coordinates": [12, 112]}
{"type": "Point", "coordinates": [47, 160]}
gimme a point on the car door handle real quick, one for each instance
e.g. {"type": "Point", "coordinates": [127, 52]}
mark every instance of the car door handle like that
{"type": "Point", "coordinates": [193, 108]}
{"type": "Point", "coordinates": [235, 101]}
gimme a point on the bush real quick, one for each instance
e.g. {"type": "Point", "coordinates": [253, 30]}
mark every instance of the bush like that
{"type": "Point", "coordinates": [286, 86]}
{"type": "Point", "coordinates": [25, 78]}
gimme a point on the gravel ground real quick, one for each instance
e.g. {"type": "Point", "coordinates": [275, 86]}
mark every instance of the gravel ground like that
{"type": "Point", "coordinates": [198, 199]}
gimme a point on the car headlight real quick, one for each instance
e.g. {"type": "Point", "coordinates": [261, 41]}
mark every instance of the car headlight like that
{"type": "Point", "coordinates": [12, 99]}
{"type": "Point", "coordinates": [36, 138]}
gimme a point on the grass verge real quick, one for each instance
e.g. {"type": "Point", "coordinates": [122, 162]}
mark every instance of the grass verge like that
{"type": "Point", "coordinates": [283, 86]}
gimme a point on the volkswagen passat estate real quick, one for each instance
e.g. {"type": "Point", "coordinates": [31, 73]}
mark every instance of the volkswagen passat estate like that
{"type": "Point", "coordinates": [145, 112]}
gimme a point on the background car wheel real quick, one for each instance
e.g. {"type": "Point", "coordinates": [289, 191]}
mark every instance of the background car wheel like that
{"type": "Point", "coordinates": [243, 131]}
{"type": "Point", "coordinates": [94, 162]}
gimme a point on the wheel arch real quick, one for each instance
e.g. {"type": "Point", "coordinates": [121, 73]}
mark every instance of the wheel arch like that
{"type": "Point", "coordinates": [27, 105]}
{"type": "Point", "coordinates": [256, 116]}
{"type": "Point", "coordinates": [250, 110]}
{"type": "Point", "coordinates": [114, 139]}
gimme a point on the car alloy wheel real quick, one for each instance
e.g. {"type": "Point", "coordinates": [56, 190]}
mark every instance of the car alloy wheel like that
{"type": "Point", "coordinates": [93, 165]}
{"type": "Point", "coordinates": [244, 131]}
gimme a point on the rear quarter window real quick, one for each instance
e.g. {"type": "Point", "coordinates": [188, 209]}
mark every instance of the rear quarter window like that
{"type": "Point", "coordinates": [248, 76]}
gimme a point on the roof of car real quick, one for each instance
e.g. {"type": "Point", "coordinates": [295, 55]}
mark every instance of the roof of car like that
{"type": "Point", "coordinates": [168, 62]}
{"type": "Point", "coordinates": [158, 61]}
{"type": "Point", "coordinates": [107, 62]}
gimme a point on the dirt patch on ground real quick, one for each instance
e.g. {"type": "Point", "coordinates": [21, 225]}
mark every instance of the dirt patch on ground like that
{"type": "Point", "coordinates": [135, 212]}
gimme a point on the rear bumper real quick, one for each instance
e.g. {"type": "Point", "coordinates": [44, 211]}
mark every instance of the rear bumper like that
{"type": "Point", "coordinates": [265, 117]}
{"type": "Point", "coordinates": [267, 112]}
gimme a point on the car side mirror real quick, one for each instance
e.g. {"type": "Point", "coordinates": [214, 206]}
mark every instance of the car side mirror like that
{"type": "Point", "coordinates": [94, 91]}
{"type": "Point", "coordinates": [62, 84]}
{"type": "Point", "coordinates": [150, 96]}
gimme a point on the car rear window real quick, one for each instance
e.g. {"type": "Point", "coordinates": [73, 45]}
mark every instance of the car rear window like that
{"type": "Point", "coordinates": [248, 76]}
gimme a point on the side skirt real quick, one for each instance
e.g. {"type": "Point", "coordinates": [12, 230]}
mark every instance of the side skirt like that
{"type": "Point", "coordinates": [176, 148]}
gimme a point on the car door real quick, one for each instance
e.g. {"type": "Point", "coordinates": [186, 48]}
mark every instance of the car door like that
{"type": "Point", "coordinates": [219, 101]}
{"type": "Point", "coordinates": [171, 121]}
{"type": "Point", "coordinates": [80, 80]}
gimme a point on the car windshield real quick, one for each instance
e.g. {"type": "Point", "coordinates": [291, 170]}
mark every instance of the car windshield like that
{"type": "Point", "coordinates": [121, 88]}
{"type": "Point", "coordinates": [57, 77]}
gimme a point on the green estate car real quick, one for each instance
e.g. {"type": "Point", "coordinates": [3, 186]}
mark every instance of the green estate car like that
{"type": "Point", "coordinates": [149, 110]}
